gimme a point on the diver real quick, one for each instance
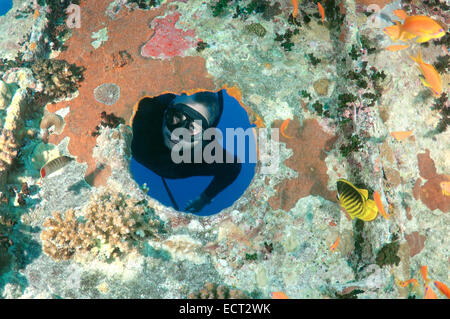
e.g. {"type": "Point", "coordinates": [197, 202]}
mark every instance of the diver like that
{"type": "Point", "coordinates": [155, 120]}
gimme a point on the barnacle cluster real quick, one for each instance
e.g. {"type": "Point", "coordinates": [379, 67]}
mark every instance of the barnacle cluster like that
{"type": "Point", "coordinates": [214, 291]}
{"type": "Point", "coordinates": [60, 78]}
{"type": "Point", "coordinates": [111, 226]}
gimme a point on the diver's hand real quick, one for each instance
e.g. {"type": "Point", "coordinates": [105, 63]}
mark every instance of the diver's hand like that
{"type": "Point", "coordinates": [195, 205]}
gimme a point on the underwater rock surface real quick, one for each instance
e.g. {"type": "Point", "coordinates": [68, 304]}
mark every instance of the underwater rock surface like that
{"type": "Point", "coordinates": [331, 88]}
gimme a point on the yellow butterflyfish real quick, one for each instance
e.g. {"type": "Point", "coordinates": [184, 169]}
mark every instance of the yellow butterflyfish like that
{"type": "Point", "coordinates": [356, 201]}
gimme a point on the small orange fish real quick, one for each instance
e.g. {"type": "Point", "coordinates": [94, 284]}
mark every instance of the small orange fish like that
{"type": "Point", "coordinates": [36, 14]}
{"type": "Point", "coordinates": [295, 4]}
{"type": "Point", "coordinates": [336, 243]}
{"type": "Point", "coordinates": [396, 33]}
{"type": "Point", "coordinates": [429, 293]}
{"type": "Point", "coordinates": [284, 127]}
{"type": "Point", "coordinates": [407, 282]}
{"type": "Point", "coordinates": [423, 27]}
{"type": "Point", "coordinates": [258, 122]}
{"type": "Point", "coordinates": [279, 295]}
{"type": "Point", "coordinates": [424, 272]}
{"type": "Point", "coordinates": [33, 46]}
{"type": "Point", "coordinates": [401, 135]}
{"type": "Point", "coordinates": [398, 47]}
{"type": "Point", "coordinates": [322, 12]}
{"type": "Point", "coordinates": [445, 187]}
{"type": "Point", "coordinates": [377, 199]}
{"type": "Point", "coordinates": [443, 288]}
{"type": "Point", "coordinates": [400, 13]}
{"type": "Point", "coordinates": [432, 77]}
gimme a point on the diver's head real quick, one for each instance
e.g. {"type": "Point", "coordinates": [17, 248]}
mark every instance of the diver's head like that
{"type": "Point", "coordinates": [195, 113]}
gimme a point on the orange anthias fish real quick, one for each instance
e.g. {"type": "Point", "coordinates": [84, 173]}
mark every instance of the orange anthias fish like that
{"type": "Point", "coordinates": [284, 127]}
{"type": "Point", "coordinates": [258, 122]}
{"type": "Point", "coordinates": [36, 14]}
{"type": "Point", "coordinates": [336, 243]}
{"type": "Point", "coordinates": [432, 77]}
{"type": "Point", "coordinates": [407, 282]}
{"type": "Point", "coordinates": [377, 199]}
{"type": "Point", "coordinates": [396, 33]}
{"type": "Point", "coordinates": [424, 272]}
{"type": "Point", "coordinates": [279, 295]}
{"type": "Point", "coordinates": [400, 13]}
{"type": "Point", "coordinates": [429, 293]}
{"type": "Point", "coordinates": [398, 47]}
{"type": "Point", "coordinates": [295, 4]}
{"type": "Point", "coordinates": [443, 288]}
{"type": "Point", "coordinates": [445, 186]}
{"type": "Point", "coordinates": [401, 135]}
{"type": "Point", "coordinates": [322, 12]}
{"type": "Point", "coordinates": [423, 27]}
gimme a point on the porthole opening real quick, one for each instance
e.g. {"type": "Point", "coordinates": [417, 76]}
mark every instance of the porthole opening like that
{"type": "Point", "coordinates": [208, 165]}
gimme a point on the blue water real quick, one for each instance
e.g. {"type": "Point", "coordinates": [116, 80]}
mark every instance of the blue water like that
{"type": "Point", "coordinates": [183, 190]}
{"type": "Point", "coordinates": [5, 6]}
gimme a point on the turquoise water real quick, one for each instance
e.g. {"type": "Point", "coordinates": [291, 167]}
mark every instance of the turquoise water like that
{"type": "Point", "coordinates": [5, 6]}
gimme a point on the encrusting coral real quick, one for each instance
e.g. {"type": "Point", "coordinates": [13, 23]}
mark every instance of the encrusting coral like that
{"type": "Point", "coordinates": [107, 93]}
{"type": "Point", "coordinates": [49, 120]}
{"type": "Point", "coordinates": [11, 135]}
{"type": "Point", "coordinates": [119, 61]}
{"type": "Point", "coordinates": [52, 119]}
{"type": "Point", "coordinates": [112, 224]}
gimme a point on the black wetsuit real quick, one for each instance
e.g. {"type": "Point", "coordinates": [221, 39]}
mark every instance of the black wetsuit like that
{"type": "Point", "coordinates": [148, 148]}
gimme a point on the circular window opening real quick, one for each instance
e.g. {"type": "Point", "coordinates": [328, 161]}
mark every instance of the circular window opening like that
{"type": "Point", "coordinates": [196, 153]}
{"type": "Point", "coordinates": [5, 6]}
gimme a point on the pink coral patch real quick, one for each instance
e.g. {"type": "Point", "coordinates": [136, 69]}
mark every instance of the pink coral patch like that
{"type": "Point", "coordinates": [167, 41]}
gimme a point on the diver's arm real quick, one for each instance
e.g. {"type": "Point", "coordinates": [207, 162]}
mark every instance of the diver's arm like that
{"type": "Point", "coordinates": [223, 177]}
